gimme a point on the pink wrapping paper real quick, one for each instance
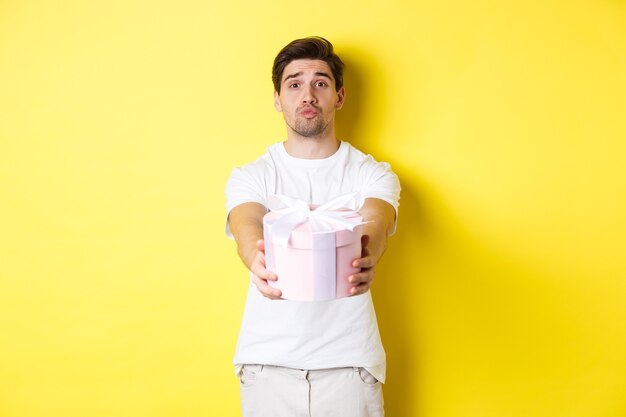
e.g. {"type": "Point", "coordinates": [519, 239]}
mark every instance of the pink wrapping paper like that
{"type": "Point", "coordinates": [312, 258]}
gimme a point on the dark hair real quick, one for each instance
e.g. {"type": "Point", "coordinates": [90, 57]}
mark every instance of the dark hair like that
{"type": "Point", "coordinates": [313, 47]}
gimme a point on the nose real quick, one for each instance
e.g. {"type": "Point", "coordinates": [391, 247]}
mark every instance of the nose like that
{"type": "Point", "coordinates": [307, 95]}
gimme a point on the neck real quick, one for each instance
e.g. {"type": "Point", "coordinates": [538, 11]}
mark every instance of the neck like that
{"type": "Point", "coordinates": [311, 148]}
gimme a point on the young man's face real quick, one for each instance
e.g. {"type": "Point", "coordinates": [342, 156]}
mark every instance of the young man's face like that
{"type": "Point", "coordinates": [307, 98]}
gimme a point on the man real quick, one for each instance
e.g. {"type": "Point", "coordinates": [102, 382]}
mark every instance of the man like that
{"type": "Point", "coordinates": [323, 358]}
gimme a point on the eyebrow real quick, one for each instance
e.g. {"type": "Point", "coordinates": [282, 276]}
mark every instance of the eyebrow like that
{"type": "Point", "coordinates": [297, 74]}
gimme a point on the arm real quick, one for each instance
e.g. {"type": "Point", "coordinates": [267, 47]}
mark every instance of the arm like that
{"type": "Point", "coordinates": [246, 224]}
{"type": "Point", "coordinates": [382, 217]}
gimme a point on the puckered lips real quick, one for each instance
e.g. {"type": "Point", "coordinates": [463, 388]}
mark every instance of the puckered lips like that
{"type": "Point", "coordinates": [308, 112]}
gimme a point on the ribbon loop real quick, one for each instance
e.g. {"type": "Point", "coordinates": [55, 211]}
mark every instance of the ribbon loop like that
{"type": "Point", "coordinates": [325, 218]}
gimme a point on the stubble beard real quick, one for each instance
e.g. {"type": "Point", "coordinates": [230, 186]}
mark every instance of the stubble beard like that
{"type": "Point", "coordinates": [309, 128]}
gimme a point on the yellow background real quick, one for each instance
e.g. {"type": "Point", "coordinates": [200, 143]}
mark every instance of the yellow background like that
{"type": "Point", "coordinates": [503, 293]}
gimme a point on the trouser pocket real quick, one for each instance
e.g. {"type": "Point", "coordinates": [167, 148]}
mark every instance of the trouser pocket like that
{"type": "Point", "coordinates": [367, 378]}
{"type": "Point", "coordinates": [249, 374]}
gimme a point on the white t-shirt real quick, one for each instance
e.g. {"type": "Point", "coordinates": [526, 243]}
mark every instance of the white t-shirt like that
{"type": "Point", "coordinates": [322, 334]}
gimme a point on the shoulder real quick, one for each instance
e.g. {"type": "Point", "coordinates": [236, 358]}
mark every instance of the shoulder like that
{"type": "Point", "coordinates": [261, 166]}
{"type": "Point", "coordinates": [249, 183]}
{"type": "Point", "coordinates": [376, 178]}
{"type": "Point", "coordinates": [365, 162]}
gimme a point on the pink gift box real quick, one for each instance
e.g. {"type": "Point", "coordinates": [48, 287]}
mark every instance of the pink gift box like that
{"type": "Point", "coordinates": [312, 265]}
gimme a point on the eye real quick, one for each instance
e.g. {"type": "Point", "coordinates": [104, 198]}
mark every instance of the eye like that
{"type": "Point", "coordinates": [321, 84]}
{"type": "Point", "coordinates": [294, 85]}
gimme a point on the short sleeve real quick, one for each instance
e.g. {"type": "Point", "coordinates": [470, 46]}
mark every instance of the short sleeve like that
{"type": "Point", "coordinates": [245, 185]}
{"type": "Point", "coordinates": [382, 183]}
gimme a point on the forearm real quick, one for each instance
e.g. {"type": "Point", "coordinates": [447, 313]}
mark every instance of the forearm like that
{"type": "Point", "coordinates": [246, 242]}
{"type": "Point", "coordinates": [380, 216]}
{"type": "Point", "coordinates": [246, 225]}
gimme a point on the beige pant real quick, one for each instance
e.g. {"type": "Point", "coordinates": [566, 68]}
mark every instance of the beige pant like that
{"type": "Point", "coordinates": [274, 391]}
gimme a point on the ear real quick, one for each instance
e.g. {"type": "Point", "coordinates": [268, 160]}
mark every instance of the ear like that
{"type": "Point", "coordinates": [277, 105]}
{"type": "Point", "coordinates": [341, 97]}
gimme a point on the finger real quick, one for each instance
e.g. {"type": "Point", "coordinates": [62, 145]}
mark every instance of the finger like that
{"type": "Point", "coordinates": [271, 293]}
{"type": "Point", "coordinates": [260, 271]}
{"type": "Point", "coordinates": [366, 262]}
{"type": "Point", "coordinates": [265, 289]}
{"type": "Point", "coordinates": [360, 289]}
{"type": "Point", "coordinates": [260, 245]}
{"type": "Point", "coordinates": [361, 277]}
{"type": "Point", "coordinates": [365, 240]}
{"type": "Point", "coordinates": [258, 267]}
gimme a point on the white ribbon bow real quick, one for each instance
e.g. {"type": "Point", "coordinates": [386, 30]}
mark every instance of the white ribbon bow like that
{"type": "Point", "coordinates": [322, 219]}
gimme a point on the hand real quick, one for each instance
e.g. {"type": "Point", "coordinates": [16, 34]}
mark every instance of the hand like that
{"type": "Point", "coordinates": [260, 275]}
{"type": "Point", "coordinates": [362, 281]}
